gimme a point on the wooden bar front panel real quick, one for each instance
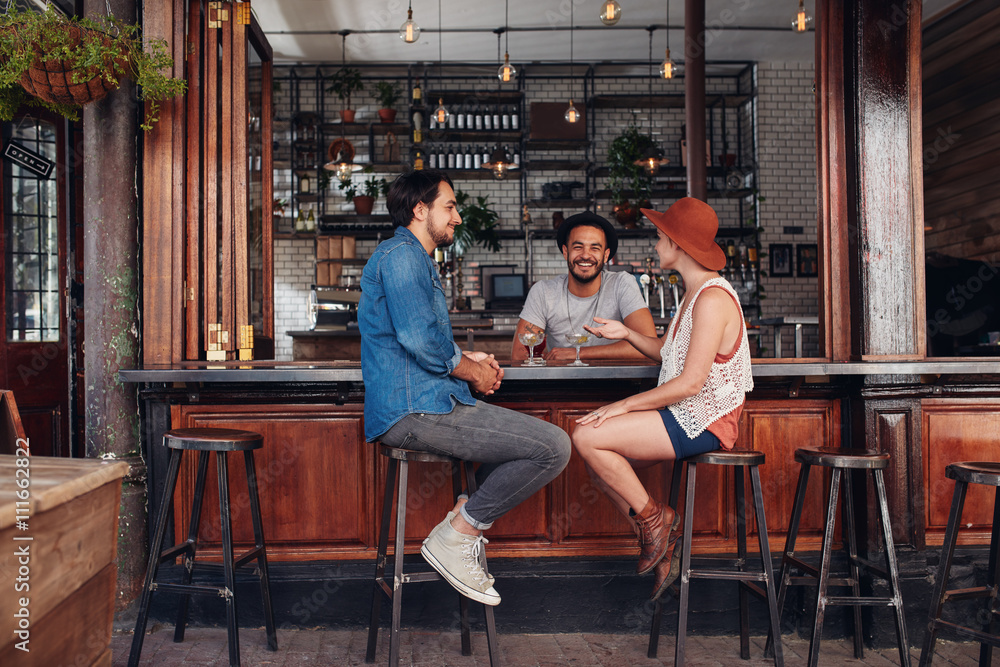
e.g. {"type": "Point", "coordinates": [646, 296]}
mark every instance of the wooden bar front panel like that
{"type": "Point", "coordinates": [322, 486]}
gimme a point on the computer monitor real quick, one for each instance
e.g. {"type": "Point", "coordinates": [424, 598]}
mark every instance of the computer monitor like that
{"type": "Point", "coordinates": [509, 290]}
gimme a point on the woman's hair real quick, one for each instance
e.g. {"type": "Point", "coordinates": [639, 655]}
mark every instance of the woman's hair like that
{"type": "Point", "coordinates": [411, 188]}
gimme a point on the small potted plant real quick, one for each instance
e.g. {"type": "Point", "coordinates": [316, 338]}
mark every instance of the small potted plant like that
{"type": "Point", "coordinates": [387, 94]}
{"type": "Point", "coordinates": [626, 175]}
{"type": "Point", "coordinates": [343, 82]}
{"type": "Point", "coordinates": [62, 63]}
{"type": "Point", "coordinates": [363, 197]}
{"type": "Point", "coordinates": [479, 225]}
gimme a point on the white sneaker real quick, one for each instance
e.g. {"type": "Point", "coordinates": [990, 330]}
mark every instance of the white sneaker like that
{"type": "Point", "coordinates": [455, 556]}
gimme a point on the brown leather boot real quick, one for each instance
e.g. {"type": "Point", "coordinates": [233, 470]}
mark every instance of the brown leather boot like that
{"type": "Point", "coordinates": [655, 523]}
{"type": "Point", "coordinates": [669, 567]}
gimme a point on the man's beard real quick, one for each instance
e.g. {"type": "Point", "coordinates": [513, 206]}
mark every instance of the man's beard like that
{"type": "Point", "coordinates": [598, 268]}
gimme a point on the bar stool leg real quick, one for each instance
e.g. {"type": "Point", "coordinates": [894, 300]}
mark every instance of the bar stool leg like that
{"type": "Point", "coordinates": [682, 612]}
{"type": "Point", "coordinates": [765, 557]}
{"type": "Point", "coordinates": [227, 560]}
{"type": "Point", "coordinates": [397, 556]}
{"type": "Point", "coordinates": [463, 602]}
{"type": "Point", "coordinates": [380, 558]}
{"type": "Point", "coordinates": [784, 578]}
{"type": "Point", "coordinates": [154, 558]}
{"type": "Point", "coordinates": [258, 535]}
{"type": "Point", "coordinates": [850, 537]}
{"type": "Point", "coordinates": [993, 576]}
{"type": "Point", "coordinates": [824, 568]}
{"type": "Point", "coordinates": [657, 621]}
{"type": "Point", "coordinates": [741, 559]}
{"type": "Point", "coordinates": [192, 544]}
{"type": "Point", "coordinates": [892, 567]}
{"type": "Point", "coordinates": [944, 567]}
{"type": "Point", "coordinates": [491, 626]}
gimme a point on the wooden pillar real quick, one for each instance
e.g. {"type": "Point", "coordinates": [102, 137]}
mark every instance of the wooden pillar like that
{"type": "Point", "coordinates": [110, 269]}
{"type": "Point", "coordinates": [694, 97]}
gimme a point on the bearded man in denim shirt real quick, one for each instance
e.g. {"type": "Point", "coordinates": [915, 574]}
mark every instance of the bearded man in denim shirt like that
{"type": "Point", "coordinates": [417, 384]}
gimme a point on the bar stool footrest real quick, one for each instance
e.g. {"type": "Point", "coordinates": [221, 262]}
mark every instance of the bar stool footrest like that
{"type": "Point", "coordinates": [726, 575]}
{"type": "Point", "coordinates": [800, 564]}
{"type": "Point", "coordinates": [872, 567]}
{"type": "Point", "coordinates": [249, 556]}
{"type": "Point", "coordinates": [175, 551]}
{"type": "Point", "coordinates": [975, 593]}
{"type": "Point", "coordinates": [962, 631]}
{"type": "Point", "coordinates": [191, 588]}
{"type": "Point", "coordinates": [850, 600]}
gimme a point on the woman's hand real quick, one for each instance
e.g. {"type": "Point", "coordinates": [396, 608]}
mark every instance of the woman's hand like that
{"type": "Point", "coordinates": [602, 414]}
{"type": "Point", "coordinates": [610, 329]}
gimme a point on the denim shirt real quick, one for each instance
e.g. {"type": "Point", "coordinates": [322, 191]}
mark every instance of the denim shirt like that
{"type": "Point", "coordinates": [407, 348]}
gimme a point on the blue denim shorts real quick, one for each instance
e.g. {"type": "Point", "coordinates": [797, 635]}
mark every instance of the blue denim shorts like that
{"type": "Point", "coordinates": [683, 445]}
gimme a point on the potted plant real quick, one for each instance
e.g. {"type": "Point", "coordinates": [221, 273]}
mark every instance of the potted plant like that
{"type": "Point", "coordinates": [626, 175]}
{"type": "Point", "coordinates": [364, 197]}
{"type": "Point", "coordinates": [479, 224]}
{"type": "Point", "coordinates": [387, 94]}
{"type": "Point", "coordinates": [62, 63]}
{"type": "Point", "coordinates": [343, 82]}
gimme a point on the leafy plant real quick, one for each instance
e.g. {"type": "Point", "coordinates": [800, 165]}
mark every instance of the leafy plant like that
{"type": "Point", "coordinates": [623, 151]}
{"type": "Point", "coordinates": [387, 94]}
{"type": "Point", "coordinates": [370, 187]}
{"type": "Point", "coordinates": [479, 224]}
{"type": "Point", "coordinates": [102, 47]}
{"type": "Point", "coordinates": [345, 81]}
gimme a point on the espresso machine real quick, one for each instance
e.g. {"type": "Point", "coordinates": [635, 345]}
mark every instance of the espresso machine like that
{"type": "Point", "coordinates": [333, 308]}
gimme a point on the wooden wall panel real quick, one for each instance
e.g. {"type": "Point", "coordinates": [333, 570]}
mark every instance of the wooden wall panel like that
{"type": "Point", "coordinates": [958, 431]}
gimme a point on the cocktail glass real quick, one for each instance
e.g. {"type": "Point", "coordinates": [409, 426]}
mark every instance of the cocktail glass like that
{"type": "Point", "coordinates": [576, 340]}
{"type": "Point", "coordinates": [530, 339]}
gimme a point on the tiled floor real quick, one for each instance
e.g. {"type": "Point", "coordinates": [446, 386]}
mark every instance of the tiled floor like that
{"type": "Point", "coordinates": [207, 646]}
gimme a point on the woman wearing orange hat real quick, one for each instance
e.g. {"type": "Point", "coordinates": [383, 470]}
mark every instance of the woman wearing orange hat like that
{"type": "Point", "coordinates": [696, 405]}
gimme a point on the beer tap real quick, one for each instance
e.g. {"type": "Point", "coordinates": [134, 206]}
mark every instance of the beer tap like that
{"type": "Point", "coordinates": [674, 292]}
{"type": "Point", "coordinates": [659, 289]}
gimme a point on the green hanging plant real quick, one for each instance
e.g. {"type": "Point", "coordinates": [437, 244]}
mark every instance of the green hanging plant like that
{"type": "Point", "coordinates": [61, 63]}
{"type": "Point", "coordinates": [479, 224]}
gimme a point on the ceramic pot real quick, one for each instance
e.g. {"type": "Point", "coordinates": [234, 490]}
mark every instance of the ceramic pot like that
{"type": "Point", "coordinates": [387, 115]}
{"type": "Point", "coordinates": [627, 214]}
{"type": "Point", "coordinates": [363, 204]}
{"type": "Point", "coordinates": [347, 115]}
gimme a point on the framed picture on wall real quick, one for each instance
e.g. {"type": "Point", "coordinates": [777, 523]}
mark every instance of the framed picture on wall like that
{"type": "Point", "coordinates": [781, 259]}
{"type": "Point", "coordinates": [807, 260]}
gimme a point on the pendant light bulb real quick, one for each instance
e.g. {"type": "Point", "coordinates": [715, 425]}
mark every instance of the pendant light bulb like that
{"type": "Point", "coordinates": [611, 12]}
{"type": "Point", "coordinates": [572, 115]}
{"type": "Point", "coordinates": [344, 172]}
{"type": "Point", "coordinates": [507, 72]}
{"type": "Point", "coordinates": [409, 32]}
{"type": "Point", "coordinates": [667, 67]}
{"type": "Point", "coordinates": [801, 21]}
{"type": "Point", "coordinates": [441, 113]}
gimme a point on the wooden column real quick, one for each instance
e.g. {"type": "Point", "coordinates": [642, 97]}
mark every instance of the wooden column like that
{"type": "Point", "coordinates": [884, 181]}
{"type": "Point", "coordinates": [111, 301]}
{"type": "Point", "coordinates": [694, 97]}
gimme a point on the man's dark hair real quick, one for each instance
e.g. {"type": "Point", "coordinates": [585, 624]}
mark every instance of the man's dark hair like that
{"type": "Point", "coordinates": [411, 188]}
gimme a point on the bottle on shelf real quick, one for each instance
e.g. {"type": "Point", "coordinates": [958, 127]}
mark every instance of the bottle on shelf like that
{"type": "Point", "coordinates": [300, 221]}
{"type": "Point", "coordinates": [305, 184]}
{"type": "Point", "coordinates": [467, 157]}
{"type": "Point", "coordinates": [310, 222]}
{"type": "Point", "coordinates": [477, 157]}
{"type": "Point", "coordinates": [487, 120]}
{"type": "Point", "coordinates": [505, 119]}
{"type": "Point", "coordinates": [496, 118]}
{"type": "Point", "coordinates": [470, 120]}
{"type": "Point", "coordinates": [418, 161]}
{"type": "Point", "coordinates": [418, 95]}
{"type": "Point", "coordinates": [516, 156]}
{"type": "Point", "coordinates": [514, 122]}
{"type": "Point", "coordinates": [451, 121]}
{"type": "Point", "coordinates": [434, 122]}
{"type": "Point", "coordinates": [433, 160]}
{"type": "Point", "coordinates": [442, 158]}
{"type": "Point", "coordinates": [451, 158]}
{"type": "Point", "coordinates": [460, 121]}
{"type": "Point", "coordinates": [479, 118]}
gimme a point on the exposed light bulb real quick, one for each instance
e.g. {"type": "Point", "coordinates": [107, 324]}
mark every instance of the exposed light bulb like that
{"type": "Point", "coordinates": [507, 71]}
{"type": "Point", "coordinates": [500, 171]}
{"type": "Point", "coordinates": [801, 20]}
{"type": "Point", "coordinates": [652, 166]}
{"type": "Point", "coordinates": [667, 67]}
{"type": "Point", "coordinates": [344, 170]}
{"type": "Point", "coordinates": [441, 114]}
{"type": "Point", "coordinates": [409, 32]}
{"type": "Point", "coordinates": [611, 12]}
{"type": "Point", "coordinates": [571, 115]}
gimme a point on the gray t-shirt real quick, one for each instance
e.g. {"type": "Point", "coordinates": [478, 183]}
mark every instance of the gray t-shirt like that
{"type": "Point", "coordinates": [550, 305]}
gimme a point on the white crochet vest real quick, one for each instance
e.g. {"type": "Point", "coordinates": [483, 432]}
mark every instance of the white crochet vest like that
{"type": "Point", "coordinates": [727, 382]}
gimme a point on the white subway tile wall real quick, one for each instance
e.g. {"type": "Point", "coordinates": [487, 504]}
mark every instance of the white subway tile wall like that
{"type": "Point", "coordinates": [787, 168]}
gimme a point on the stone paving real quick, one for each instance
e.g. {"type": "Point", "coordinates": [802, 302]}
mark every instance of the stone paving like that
{"type": "Point", "coordinates": [336, 648]}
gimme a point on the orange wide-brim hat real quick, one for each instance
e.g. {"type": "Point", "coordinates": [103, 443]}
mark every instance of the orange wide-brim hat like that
{"type": "Point", "coordinates": [692, 224]}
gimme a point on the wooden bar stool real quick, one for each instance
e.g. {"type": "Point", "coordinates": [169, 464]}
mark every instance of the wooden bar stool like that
{"type": "Point", "coordinates": [839, 461]}
{"type": "Point", "coordinates": [966, 473]}
{"type": "Point", "coordinates": [740, 460]}
{"type": "Point", "coordinates": [204, 441]}
{"type": "Point", "coordinates": [395, 483]}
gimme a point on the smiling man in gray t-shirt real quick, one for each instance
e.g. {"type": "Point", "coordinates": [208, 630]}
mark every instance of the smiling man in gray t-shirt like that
{"type": "Point", "coordinates": [562, 305]}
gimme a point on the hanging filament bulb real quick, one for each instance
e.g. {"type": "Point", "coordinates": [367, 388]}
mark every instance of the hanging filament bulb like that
{"type": "Point", "coordinates": [441, 113]}
{"type": "Point", "coordinates": [572, 114]}
{"type": "Point", "coordinates": [801, 21]}
{"type": "Point", "coordinates": [611, 12]}
{"type": "Point", "coordinates": [667, 67]}
{"type": "Point", "coordinates": [409, 32]}
{"type": "Point", "coordinates": [507, 72]}
{"type": "Point", "coordinates": [344, 172]}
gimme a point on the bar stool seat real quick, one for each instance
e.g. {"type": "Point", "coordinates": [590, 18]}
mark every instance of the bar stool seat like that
{"type": "Point", "coordinates": [396, 483]}
{"type": "Point", "coordinates": [965, 473]}
{"type": "Point", "coordinates": [204, 441]}
{"type": "Point", "coordinates": [838, 461]}
{"type": "Point", "coordinates": [741, 460]}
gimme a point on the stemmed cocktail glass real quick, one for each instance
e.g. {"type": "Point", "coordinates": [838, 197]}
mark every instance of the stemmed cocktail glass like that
{"type": "Point", "coordinates": [576, 340]}
{"type": "Point", "coordinates": [530, 339]}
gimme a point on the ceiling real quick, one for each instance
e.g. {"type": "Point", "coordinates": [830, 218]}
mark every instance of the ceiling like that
{"type": "Point", "coordinates": [305, 30]}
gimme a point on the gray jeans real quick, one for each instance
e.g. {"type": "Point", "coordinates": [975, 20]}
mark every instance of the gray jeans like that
{"type": "Point", "coordinates": [519, 453]}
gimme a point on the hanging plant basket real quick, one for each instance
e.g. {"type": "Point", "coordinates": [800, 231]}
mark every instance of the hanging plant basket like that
{"type": "Point", "coordinates": [58, 82]}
